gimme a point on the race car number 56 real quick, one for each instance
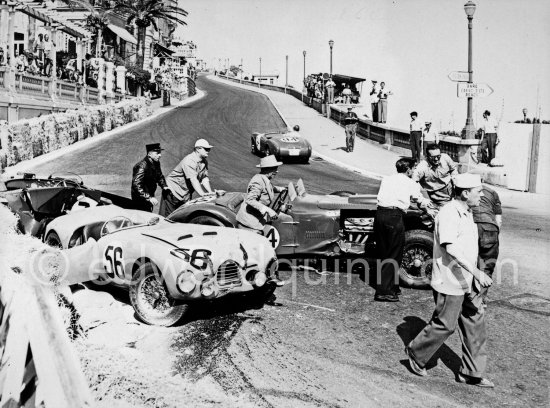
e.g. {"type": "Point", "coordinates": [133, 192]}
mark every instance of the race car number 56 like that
{"type": "Point", "coordinates": [272, 235]}
{"type": "Point", "coordinates": [114, 264]}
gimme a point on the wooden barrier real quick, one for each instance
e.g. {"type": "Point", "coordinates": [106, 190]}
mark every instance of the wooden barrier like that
{"type": "Point", "coordinates": [38, 366]}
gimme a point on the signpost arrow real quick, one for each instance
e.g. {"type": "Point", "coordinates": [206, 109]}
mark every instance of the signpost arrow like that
{"type": "Point", "coordinates": [459, 76]}
{"type": "Point", "coordinates": [467, 90]}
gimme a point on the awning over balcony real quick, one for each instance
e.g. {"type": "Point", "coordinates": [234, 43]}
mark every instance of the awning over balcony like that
{"type": "Point", "coordinates": [50, 16]}
{"type": "Point", "coordinates": [122, 33]}
{"type": "Point", "coordinates": [162, 51]}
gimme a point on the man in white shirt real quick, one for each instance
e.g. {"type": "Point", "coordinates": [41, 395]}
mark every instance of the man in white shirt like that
{"type": "Point", "coordinates": [394, 198]}
{"type": "Point", "coordinates": [189, 176]}
{"type": "Point", "coordinates": [457, 283]}
{"type": "Point", "coordinates": [415, 136]}
{"type": "Point", "coordinates": [489, 140]}
{"type": "Point", "coordinates": [329, 85]}
{"type": "Point", "coordinates": [429, 136]}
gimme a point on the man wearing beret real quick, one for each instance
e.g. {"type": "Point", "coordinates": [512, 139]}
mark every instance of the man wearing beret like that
{"type": "Point", "coordinates": [457, 283]}
{"type": "Point", "coordinates": [145, 177]}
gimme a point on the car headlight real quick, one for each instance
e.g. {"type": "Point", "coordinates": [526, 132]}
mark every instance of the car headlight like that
{"type": "Point", "coordinates": [186, 282]}
{"type": "Point", "coordinates": [208, 289]}
{"type": "Point", "coordinates": [256, 278]}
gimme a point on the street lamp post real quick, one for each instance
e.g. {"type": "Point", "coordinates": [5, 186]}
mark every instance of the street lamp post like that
{"type": "Point", "coordinates": [469, 128]}
{"type": "Point", "coordinates": [260, 77]}
{"type": "Point", "coordinates": [286, 77]}
{"type": "Point", "coordinates": [331, 44]}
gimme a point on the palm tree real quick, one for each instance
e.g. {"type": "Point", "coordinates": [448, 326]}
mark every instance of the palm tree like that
{"type": "Point", "coordinates": [144, 13]}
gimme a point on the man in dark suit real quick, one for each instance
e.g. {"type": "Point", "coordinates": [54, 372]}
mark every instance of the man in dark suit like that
{"type": "Point", "coordinates": [146, 175]}
{"type": "Point", "coordinates": [350, 125]}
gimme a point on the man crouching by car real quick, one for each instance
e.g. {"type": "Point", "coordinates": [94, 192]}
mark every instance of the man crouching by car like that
{"type": "Point", "coordinates": [146, 175]}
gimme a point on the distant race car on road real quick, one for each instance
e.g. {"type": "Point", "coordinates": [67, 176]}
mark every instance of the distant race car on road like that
{"type": "Point", "coordinates": [285, 146]}
{"type": "Point", "coordinates": [322, 226]}
{"type": "Point", "coordinates": [166, 266]}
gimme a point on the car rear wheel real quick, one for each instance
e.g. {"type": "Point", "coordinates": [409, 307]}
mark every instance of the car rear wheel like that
{"type": "Point", "coordinates": [53, 240]}
{"type": "Point", "coordinates": [150, 299]}
{"type": "Point", "coordinates": [207, 220]}
{"type": "Point", "coordinates": [416, 267]}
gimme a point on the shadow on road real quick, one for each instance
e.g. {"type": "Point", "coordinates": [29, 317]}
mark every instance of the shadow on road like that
{"type": "Point", "coordinates": [410, 328]}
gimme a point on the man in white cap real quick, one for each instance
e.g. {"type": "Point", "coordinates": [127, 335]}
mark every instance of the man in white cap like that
{"type": "Point", "coordinates": [189, 176]}
{"type": "Point", "coordinates": [456, 282]}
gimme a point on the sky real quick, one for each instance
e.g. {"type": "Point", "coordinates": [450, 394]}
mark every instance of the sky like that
{"type": "Point", "coordinates": [412, 45]}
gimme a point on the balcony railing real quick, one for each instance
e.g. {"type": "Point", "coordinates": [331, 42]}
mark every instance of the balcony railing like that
{"type": "Point", "coordinates": [32, 85]}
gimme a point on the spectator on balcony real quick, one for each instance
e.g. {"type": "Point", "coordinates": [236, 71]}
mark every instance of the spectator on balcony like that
{"type": "Point", "coordinates": [435, 173]}
{"type": "Point", "coordinates": [39, 47]}
{"type": "Point", "coordinates": [48, 55]}
{"type": "Point", "coordinates": [383, 94]}
{"type": "Point", "coordinates": [21, 62]}
{"type": "Point", "coordinates": [32, 68]}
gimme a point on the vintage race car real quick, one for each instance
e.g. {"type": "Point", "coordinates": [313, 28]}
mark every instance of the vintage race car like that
{"type": "Point", "coordinates": [166, 266]}
{"type": "Point", "coordinates": [318, 226]}
{"type": "Point", "coordinates": [285, 146]}
{"type": "Point", "coordinates": [37, 201]}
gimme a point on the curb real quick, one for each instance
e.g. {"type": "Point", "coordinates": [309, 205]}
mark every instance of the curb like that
{"type": "Point", "coordinates": [24, 165]}
{"type": "Point", "coordinates": [329, 159]}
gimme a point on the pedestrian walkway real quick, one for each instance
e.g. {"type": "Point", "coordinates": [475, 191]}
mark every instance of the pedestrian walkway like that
{"type": "Point", "coordinates": [369, 158]}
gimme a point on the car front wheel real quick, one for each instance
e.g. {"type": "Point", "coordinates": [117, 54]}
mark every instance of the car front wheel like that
{"type": "Point", "coordinates": [150, 299]}
{"type": "Point", "coordinates": [416, 267]}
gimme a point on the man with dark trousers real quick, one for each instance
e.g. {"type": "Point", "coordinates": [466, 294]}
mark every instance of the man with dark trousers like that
{"type": "Point", "coordinates": [146, 175]}
{"type": "Point", "coordinates": [394, 198]}
{"type": "Point", "coordinates": [415, 136]}
{"type": "Point", "coordinates": [350, 125]}
{"type": "Point", "coordinates": [488, 218]}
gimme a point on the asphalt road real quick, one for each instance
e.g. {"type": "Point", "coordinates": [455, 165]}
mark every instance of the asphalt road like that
{"type": "Point", "coordinates": [226, 117]}
{"type": "Point", "coordinates": [325, 343]}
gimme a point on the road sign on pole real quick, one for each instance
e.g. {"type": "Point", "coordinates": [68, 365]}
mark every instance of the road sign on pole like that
{"type": "Point", "coordinates": [459, 76]}
{"type": "Point", "coordinates": [467, 90]}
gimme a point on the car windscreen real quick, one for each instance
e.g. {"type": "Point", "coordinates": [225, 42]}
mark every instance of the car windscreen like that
{"type": "Point", "coordinates": [51, 200]}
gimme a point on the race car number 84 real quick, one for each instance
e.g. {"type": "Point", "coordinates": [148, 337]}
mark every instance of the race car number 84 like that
{"type": "Point", "coordinates": [114, 264]}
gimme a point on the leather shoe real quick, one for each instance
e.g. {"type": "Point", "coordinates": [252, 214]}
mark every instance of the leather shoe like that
{"type": "Point", "coordinates": [386, 298]}
{"type": "Point", "coordinates": [413, 365]}
{"type": "Point", "coordinates": [478, 382]}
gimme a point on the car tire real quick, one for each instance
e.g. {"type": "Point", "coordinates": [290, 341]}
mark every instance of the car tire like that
{"type": "Point", "coordinates": [150, 299]}
{"type": "Point", "coordinates": [263, 295]}
{"type": "Point", "coordinates": [53, 240]}
{"type": "Point", "coordinates": [343, 193]}
{"type": "Point", "coordinates": [416, 267]}
{"type": "Point", "coordinates": [208, 220]}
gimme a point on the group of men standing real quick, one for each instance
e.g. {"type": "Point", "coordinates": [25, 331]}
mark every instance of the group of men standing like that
{"type": "Point", "coordinates": [466, 246]}
{"type": "Point", "coordinates": [379, 101]}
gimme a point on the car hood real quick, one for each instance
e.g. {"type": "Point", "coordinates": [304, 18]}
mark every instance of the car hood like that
{"type": "Point", "coordinates": [227, 242]}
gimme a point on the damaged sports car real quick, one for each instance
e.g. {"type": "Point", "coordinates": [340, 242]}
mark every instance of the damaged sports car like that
{"type": "Point", "coordinates": [167, 267]}
{"type": "Point", "coordinates": [322, 226]}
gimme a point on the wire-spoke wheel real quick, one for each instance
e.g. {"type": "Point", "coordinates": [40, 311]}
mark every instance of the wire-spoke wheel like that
{"type": "Point", "coordinates": [150, 299]}
{"type": "Point", "coordinates": [416, 266]}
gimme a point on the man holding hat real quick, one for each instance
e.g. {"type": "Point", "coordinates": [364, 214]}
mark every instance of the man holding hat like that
{"type": "Point", "coordinates": [350, 126]}
{"type": "Point", "coordinates": [189, 176]}
{"type": "Point", "coordinates": [456, 282]}
{"type": "Point", "coordinates": [256, 209]}
{"type": "Point", "coordinates": [145, 177]}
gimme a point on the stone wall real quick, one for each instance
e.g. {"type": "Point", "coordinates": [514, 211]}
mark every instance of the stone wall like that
{"type": "Point", "coordinates": [33, 137]}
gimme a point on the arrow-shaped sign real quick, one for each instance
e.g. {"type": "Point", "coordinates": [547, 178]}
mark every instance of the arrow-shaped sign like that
{"type": "Point", "coordinates": [473, 90]}
{"type": "Point", "coordinates": [459, 76]}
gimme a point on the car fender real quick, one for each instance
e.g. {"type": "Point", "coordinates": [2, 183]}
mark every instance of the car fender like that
{"type": "Point", "coordinates": [229, 218]}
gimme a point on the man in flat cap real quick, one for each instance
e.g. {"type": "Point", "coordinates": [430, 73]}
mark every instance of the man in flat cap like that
{"type": "Point", "coordinates": [145, 177]}
{"type": "Point", "coordinates": [350, 126]}
{"type": "Point", "coordinates": [457, 283]}
{"type": "Point", "coordinates": [189, 176]}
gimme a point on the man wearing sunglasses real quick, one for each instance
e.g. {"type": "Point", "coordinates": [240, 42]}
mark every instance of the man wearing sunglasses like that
{"type": "Point", "coordinates": [434, 174]}
{"type": "Point", "coordinates": [189, 176]}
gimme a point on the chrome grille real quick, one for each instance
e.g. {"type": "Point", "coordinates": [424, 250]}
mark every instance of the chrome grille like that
{"type": "Point", "coordinates": [229, 274]}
